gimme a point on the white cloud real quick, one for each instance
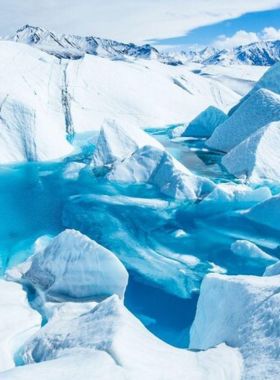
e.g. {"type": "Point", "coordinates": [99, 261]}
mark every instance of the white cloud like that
{"type": "Point", "coordinates": [244, 38]}
{"type": "Point", "coordinates": [270, 34]}
{"type": "Point", "coordinates": [125, 20]}
{"type": "Point", "coordinates": [239, 38]}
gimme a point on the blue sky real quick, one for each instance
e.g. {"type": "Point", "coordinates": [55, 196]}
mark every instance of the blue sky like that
{"type": "Point", "coordinates": [254, 22]}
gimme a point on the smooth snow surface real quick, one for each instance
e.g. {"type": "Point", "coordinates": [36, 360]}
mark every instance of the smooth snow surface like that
{"type": "Point", "coordinates": [111, 329]}
{"type": "Point", "coordinates": [257, 158]}
{"type": "Point", "coordinates": [73, 267]}
{"type": "Point", "coordinates": [17, 322]}
{"type": "Point", "coordinates": [261, 108]}
{"type": "Point", "coordinates": [242, 311]}
{"type": "Point", "coordinates": [205, 123]}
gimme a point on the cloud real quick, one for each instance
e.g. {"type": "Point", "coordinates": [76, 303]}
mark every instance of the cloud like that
{"type": "Point", "coordinates": [244, 38]}
{"type": "Point", "coordinates": [271, 34]}
{"type": "Point", "coordinates": [124, 20]}
{"type": "Point", "coordinates": [239, 38]}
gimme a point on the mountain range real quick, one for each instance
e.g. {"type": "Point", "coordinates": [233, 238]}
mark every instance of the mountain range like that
{"type": "Point", "coordinates": [264, 53]}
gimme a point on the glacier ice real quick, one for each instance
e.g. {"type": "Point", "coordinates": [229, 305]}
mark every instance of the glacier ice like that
{"type": "Point", "coordinates": [272, 270]}
{"type": "Point", "coordinates": [258, 110]}
{"type": "Point", "coordinates": [246, 316]}
{"type": "Point", "coordinates": [157, 167]}
{"type": "Point", "coordinates": [247, 249]}
{"type": "Point", "coordinates": [205, 123]}
{"type": "Point", "coordinates": [257, 158]}
{"type": "Point", "coordinates": [111, 329]}
{"type": "Point", "coordinates": [73, 266]}
{"type": "Point", "coordinates": [266, 213]}
{"type": "Point", "coordinates": [18, 321]}
{"type": "Point", "coordinates": [229, 196]}
{"type": "Point", "coordinates": [116, 143]}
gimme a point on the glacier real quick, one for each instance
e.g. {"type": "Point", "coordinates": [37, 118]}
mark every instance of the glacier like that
{"type": "Point", "coordinates": [139, 199]}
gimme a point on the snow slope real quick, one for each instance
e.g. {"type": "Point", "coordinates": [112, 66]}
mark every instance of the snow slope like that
{"type": "Point", "coordinates": [111, 329]}
{"type": "Point", "coordinates": [44, 100]}
{"type": "Point", "coordinates": [245, 315]}
{"type": "Point", "coordinates": [17, 322]}
{"type": "Point", "coordinates": [73, 266]}
{"type": "Point", "coordinates": [261, 108]}
{"type": "Point", "coordinates": [257, 158]}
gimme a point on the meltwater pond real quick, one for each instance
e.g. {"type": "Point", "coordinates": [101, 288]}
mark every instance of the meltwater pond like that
{"type": "Point", "coordinates": [167, 246]}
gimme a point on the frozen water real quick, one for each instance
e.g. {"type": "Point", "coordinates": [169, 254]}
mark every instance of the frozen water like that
{"type": "Point", "coordinates": [73, 266]}
{"type": "Point", "coordinates": [205, 123]}
{"type": "Point", "coordinates": [258, 110]}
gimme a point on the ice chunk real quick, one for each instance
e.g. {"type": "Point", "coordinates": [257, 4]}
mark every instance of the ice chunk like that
{"type": "Point", "coordinates": [72, 170]}
{"type": "Point", "coordinates": [266, 213]}
{"type": "Point", "coordinates": [17, 322]}
{"type": "Point", "coordinates": [126, 226]}
{"type": "Point", "coordinates": [249, 250]}
{"type": "Point", "coordinates": [110, 328]}
{"type": "Point", "coordinates": [176, 132]}
{"type": "Point", "coordinates": [73, 267]}
{"type": "Point", "coordinates": [272, 270]}
{"type": "Point", "coordinates": [205, 123]}
{"type": "Point", "coordinates": [228, 196]}
{"type": "Point", "coordinates": [157, 167]}
{"type": "Point", "coordinates": [257, 158]}
{"type": "Point", "coordinates": [242, 311]}
{"type": "Point", "coordinates": [269, 81]}
{"type": "Point", "coordinates": [260, 109]}
{"type": "Point", "coordinates": [116, 143]}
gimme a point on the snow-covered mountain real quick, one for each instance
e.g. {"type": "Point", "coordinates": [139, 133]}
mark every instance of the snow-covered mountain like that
{"type": "Point", "coordinates": [75, 47]}
{"type": "Point", "coordinates": [264, 53]}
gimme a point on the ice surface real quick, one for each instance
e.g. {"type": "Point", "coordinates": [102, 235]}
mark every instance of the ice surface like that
{"type": "Point", "coordinates": [242, 311]}
{"type": "Point", "coordinates": [230, 196]}
{"type": "Point", "coordinates": [272, 270]}
{"type": "Point", "coordinates": [266, 213]}
{"type": "Point", "coordinates": [45, 100]}
{"type": "Point", "coordinates": [258, 110]}
{"type": "Point", "coordinates": [205, 123]}
{"type": "Point", "coordinates": [111, 329]}
{"type": "Point", "coordinates": [157, 167]}
{"type": "Point", "coordinates": [17, 322]}
{"type": "Point", "coordinates": [257, 158]}
{"type": "Point", "coordinates": [247, 249]}
{"type": "Point", "coordinates": [73, 267]}
{"type": "Point", "coordinates": [116, 143]}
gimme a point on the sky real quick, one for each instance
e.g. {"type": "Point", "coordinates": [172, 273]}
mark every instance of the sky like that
{"type": "Point", "coordinates": [167, 23]}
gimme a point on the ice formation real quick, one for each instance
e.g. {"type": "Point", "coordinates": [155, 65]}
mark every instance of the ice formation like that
{"type": "Point", "coordinates": [205, 123]}
{"type": "Point", "coordinates": [245, 315]}
{"type": "Point", "coordinates": [157, 167]}
{"type": "Point", "coordinates": [258, 110]}
{"type": "Point", "coordinates": [129, 350]}
{"type": "Point", "coordinates": [257, 158]}
{"type": "Point", "coordinates": [116, 142]}
{"type": "Point", "coordinates": [73, 267]}
{"type": "Point", "coordinates": [266, 213]}
{"type": "Point", "coordinates": [249, 250]}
